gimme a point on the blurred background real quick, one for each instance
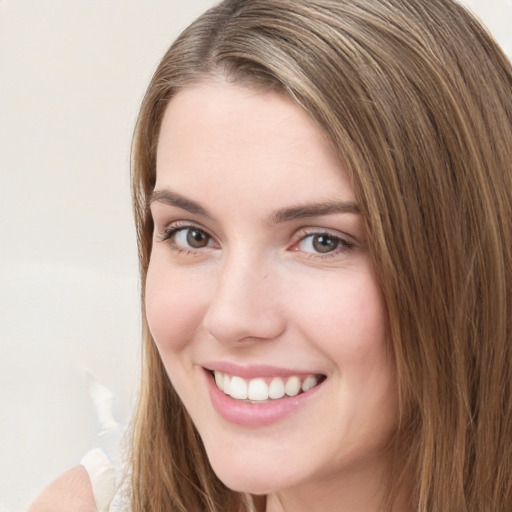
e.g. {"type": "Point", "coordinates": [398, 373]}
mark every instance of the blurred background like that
{"type": "Point", "coordinates": [72, 75]}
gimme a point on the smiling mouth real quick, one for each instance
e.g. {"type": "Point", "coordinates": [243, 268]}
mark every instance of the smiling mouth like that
{"type": "Point", "coordinates": [263, 390]}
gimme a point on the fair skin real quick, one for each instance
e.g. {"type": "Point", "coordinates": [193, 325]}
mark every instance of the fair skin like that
{"type": "Point", "coordinates": [260, 271]}
{"type": "Point", "coordinates": [71, 492]}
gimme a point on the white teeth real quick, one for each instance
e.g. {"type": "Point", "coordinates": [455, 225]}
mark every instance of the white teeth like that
{"type": "Point", "coordinates": [238, 388]}
{"type": "Point", "coordinates": [226, 384]}
{"type": "Point", "coordinates": [309, 382]}
{"type": "Point", "coordinates": [292, 386]}
{"type": "Point", "coordinates": [219, 380]}
{"type": "Point", "coordinates": [276, 388]}
{"type": "Point", "coordinates": [259, 390]}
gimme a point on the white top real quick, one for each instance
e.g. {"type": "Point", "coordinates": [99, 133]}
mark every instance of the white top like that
{"type": "Point", "coordinates": [105, 463]}
{"type": "Point", "coordinates": [103, 478]}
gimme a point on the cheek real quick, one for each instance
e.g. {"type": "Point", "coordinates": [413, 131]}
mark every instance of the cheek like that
{"type": "Point", "coordinates": [350, 328]}
{"type": "Point", "coordinates": [348, 320]}
{"type": "Point", "coordinates": [352, 332]}
{"type": "Point", "coordinates": [175, 306]}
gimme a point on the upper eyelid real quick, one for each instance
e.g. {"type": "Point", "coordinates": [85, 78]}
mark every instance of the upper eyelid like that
{"type": "Point", "coordinates": [172, 230]}
{"type": "Point", "coordinates": [297, 236]}
{"type": "Point", "coordinates": [184, 224]}
{"type": "Point", "coordinates": [345, 240]}
{"type": "Point", "coordinates": [306, 232]}
{"type": "Point", "coordinates": [300, 233]}
{"type": "Point", "coordinates": [168, 237]}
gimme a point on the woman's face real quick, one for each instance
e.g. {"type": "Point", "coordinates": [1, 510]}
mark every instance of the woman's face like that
{"type": "Point", "coordinates": [260, 283]}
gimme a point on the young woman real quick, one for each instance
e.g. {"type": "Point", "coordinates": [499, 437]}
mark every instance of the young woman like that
{"type": "Point", "coordinates": [322, 194]}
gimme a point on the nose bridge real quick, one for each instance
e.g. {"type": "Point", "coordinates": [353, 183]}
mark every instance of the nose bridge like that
{"type": "Point", "coordinates": [244, 304]}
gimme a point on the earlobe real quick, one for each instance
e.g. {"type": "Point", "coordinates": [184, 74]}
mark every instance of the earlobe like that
{"type": "Point", "coordinates": [71, 492]}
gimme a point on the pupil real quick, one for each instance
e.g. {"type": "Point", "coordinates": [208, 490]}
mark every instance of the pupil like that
{"type": "Point", "coordinates": [197, 239]}
{"type": "Point", "coordinates": [324, 243]}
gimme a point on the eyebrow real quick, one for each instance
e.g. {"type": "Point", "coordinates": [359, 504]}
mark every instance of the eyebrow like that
{"type": "Point", "coordinates": [301, 211]}
{"type": "Point", "coordinates": [313, 210]}
{"type": "Point", "coordinates": [173, 199]}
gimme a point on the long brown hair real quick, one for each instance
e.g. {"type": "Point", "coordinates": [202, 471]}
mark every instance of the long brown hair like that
{"type": "Point", "coordinates": [417, 99]}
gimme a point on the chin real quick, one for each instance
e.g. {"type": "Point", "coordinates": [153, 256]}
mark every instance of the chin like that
{"type": "Point", "coordinates": [252, 483]}
{"type": "Point", "coordinates": [255, 475]}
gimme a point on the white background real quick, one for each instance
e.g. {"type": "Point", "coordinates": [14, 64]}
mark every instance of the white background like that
{"type": "Point", "coordinates": [72, 74]}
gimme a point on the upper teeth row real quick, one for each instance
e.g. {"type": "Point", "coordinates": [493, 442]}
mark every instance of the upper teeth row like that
{"type": "Point", "coordinates": [259, 390]}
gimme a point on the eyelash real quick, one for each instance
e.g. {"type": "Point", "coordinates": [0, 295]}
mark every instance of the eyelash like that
{"type": "Point", "coordinates": [169, 236]}
{"type": "Point", "coordinates": [341, 244]}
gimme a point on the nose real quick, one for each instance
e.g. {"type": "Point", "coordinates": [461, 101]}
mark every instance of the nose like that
{"type": "Point", "coordinates": [245, 304]}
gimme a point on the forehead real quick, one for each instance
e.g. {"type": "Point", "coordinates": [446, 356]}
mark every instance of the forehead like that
{"type": "Point", "coordinates": [234, 138]}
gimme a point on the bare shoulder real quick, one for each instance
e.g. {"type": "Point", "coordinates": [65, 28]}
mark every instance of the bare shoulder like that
{"type": "Point", "coordinates": [71, 492]}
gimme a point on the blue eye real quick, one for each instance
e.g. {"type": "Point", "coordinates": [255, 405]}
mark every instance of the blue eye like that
{"type": "Point", "coordinates": [322, 243]}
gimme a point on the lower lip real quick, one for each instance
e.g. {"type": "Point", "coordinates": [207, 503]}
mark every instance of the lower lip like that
{"type": "Point", "coordinates": [256, 415]}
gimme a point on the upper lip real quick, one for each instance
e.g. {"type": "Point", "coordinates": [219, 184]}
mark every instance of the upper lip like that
{"type": "Point", "coordinates": [255, 370]}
